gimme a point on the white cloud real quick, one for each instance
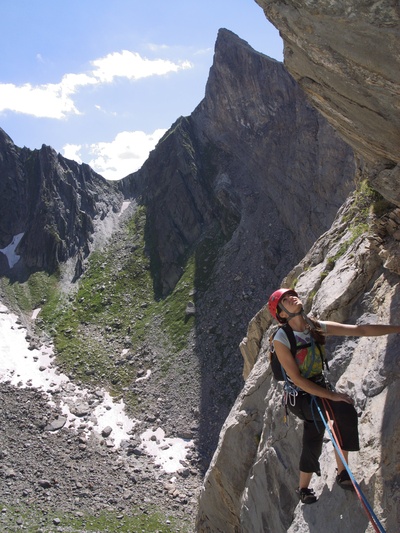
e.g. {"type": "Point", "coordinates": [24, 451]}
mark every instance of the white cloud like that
{"type": "Point", "coordinates": [49, 101]}
{"type": "Point", "coordinates": [72, 151]}
{"type": "Point", "coordinates": [55, 100]}
{"type": "Point", "coordinates": [125, 154]}
{"type": "Point", "coordinates": [204, 51]}
{"type": "Point", "coordinates": [133, 66]}
{"type": "Point", "coordinates": [120, 157]}
{"type": "Point", "coordinates": [70, 83]}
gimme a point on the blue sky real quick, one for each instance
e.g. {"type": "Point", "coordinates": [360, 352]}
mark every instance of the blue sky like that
{"type": "Point", "coordinates": [101, 80]}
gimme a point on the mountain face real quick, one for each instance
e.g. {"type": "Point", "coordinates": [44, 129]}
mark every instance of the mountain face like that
{"type": "Point", "coordinates": [243, 155]}
{"type": "Point", "coordinates": [255, 467]}
{"type": "Point", "coordinates": [345, 57]}
{"type": "Point", "coordinates": [52, 203]}
{"type": "Point", "coordinates": [244, 185]}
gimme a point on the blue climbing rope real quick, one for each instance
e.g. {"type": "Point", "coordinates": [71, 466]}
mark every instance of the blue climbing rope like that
{"type": "Point", "coordinates": [372, 516]}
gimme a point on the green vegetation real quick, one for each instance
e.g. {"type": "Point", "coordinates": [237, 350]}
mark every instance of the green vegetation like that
{"type": "Point", "coordinates": [114, 307]}
{"type": "Point", "coordinates": [32, 520]}
{"type": "Point", "coordinates": [172, 309]}
{"type": "Point", "coordinates": [101, 330]}
{"type": "Point", "coordinates": [356, 232]}
{"type": "Point", "coordinates": [39, 289]}
{"type": "Point", "coordinates": [367, 205]}
{"type": "Point", "coordinates": [310, 299]}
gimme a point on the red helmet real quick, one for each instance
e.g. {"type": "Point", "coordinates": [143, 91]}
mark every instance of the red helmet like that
{"type": "Point", "coordinates": [274, 300]}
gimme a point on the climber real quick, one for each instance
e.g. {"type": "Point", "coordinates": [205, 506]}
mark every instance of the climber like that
{"type": "Point", "coordinates": [306, 383]}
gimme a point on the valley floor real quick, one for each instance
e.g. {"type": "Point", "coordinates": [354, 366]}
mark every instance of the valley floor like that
{"type": "Point", "coordinates": [71, 459]}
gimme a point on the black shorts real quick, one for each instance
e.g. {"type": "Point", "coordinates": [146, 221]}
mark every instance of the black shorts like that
{"type": "Point", "coordinates": [345, 426]}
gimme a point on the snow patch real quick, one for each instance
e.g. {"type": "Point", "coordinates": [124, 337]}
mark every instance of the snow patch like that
{"type": "Point", "coordinates": [110, 413]}
{"type": "Point", "coordinates": [23, 367]}
{"type": "Point", "coordinates": [18, 364]}
{"type": "Point", "coordinates": [146, 376]}
{"type": "Point", "coordinates": [167, 452]}
{"type": "Point", "coordinates": [125, 205]}
{"type": "Point", "coordinates": [9, 251]}
{"type": "Point", "coordinates": [35, 313]}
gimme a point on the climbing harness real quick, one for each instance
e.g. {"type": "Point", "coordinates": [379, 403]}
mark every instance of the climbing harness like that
{"type": "Point", "coordinates": [290, 391]}
{"type": "Point", "coordinates": [335, 441]}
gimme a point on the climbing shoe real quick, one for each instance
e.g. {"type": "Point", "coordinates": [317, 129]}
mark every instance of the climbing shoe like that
{"type": "Point", "coordinates": [344, 481]}
{"type": "Point", "coordinates": [307, 495]}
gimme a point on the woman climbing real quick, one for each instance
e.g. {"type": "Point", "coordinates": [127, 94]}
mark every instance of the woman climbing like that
{"type": "Point", "coordinates": [306, 383]}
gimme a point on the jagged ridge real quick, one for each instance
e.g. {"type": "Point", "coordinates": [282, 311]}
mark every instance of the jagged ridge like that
{"type": "Point", "coordinates": [51, 200]}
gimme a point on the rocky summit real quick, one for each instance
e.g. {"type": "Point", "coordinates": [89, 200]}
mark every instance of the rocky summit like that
{"type": "Point", "coordinates": [143, 291]}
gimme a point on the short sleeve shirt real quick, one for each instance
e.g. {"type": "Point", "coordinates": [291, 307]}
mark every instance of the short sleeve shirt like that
{"type": "Point", "coordinates": [308, 359]}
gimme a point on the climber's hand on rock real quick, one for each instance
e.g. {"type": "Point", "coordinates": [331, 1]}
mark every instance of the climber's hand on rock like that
{"type": "Point", "coordinates": [342, 397]}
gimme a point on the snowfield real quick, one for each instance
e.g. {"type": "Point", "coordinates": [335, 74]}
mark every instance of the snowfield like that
{"type": "Point", "coordinates": [22, 366]}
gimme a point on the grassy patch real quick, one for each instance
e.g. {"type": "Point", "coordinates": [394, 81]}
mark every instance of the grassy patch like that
{"type": "Point", "coordinates": [367, 202]}
{"type": "Point", "coordinates": [367, 205]}
{"type": "Point", "coordinates": [114, 309]}
{"type": "Point", "coordinates": [172, 309]}
{"type": "Point", "coordinates": [39, 289]}
{"type": "Point", "coordinates": [32, 519]}
{"type": "Point", "coordinates": [329, 266]}
{"type": "Point", "coordinates": [100, 330]}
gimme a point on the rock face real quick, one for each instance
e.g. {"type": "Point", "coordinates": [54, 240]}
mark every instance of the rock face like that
{"type": "Point", "coordinates": [345, 55]}
{"type": "Point", "coordinates": [250, 484]}
{"type": "Point", "coordinates": [253, 168]}
{"type": "Point", "coordinates": [52, 203]}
